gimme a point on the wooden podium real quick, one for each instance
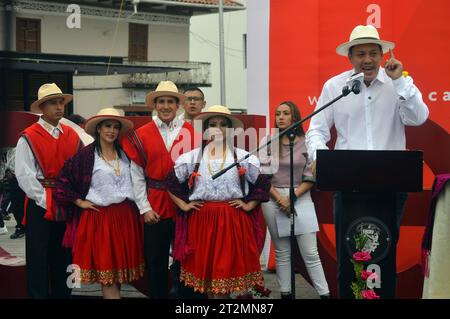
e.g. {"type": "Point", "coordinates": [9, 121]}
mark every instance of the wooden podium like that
{"type": "Point", "coordinates": [370, 189]}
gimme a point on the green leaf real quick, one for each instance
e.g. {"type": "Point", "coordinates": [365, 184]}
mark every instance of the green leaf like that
{"type": "Point", "coordinates": [357, 292]}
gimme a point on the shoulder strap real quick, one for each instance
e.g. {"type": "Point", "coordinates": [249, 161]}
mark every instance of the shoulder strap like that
{"type": "Point", "coordinates": [241, 177]}
{"type": "Point", "coordinates": [30, 145]}
{"type": "Point", "coordinates": [137, 143]}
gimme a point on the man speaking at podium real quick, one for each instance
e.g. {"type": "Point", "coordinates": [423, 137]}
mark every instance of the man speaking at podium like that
{"type": "Point", "coordinates": [375, 119]}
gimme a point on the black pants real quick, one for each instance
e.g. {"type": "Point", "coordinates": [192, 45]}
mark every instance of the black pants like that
{"type": "Point", "coordinates": [6, 198]}
{"type": "Point", "coordinates": [388, 282]}
{"type": "Point", "coordinates": [46, 259]}
{"type": "Point", "coordinates": [157, 240]}
{"type": "Point", "coordinates": [17, 202]}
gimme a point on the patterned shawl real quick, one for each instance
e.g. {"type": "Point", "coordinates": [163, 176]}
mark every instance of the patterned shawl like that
{"type": "Point", "coordinates": [74, 182]}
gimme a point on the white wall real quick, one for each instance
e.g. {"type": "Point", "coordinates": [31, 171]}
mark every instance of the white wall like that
{"type": "Point", "coordinates": [97, 36]}
{"type": "Point", "coordinates": [168, 43]}
{"type": "Point", "coordinates": [204, 47]}
{"type": "Point", "coordinates": [258, 14]}
{"type": "Point", "coordinates": [92, 93]}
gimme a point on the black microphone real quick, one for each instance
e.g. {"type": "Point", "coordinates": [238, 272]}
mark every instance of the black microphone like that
{"type": "Point", "coordinates": [356, 87]}
{"type": "Point", "coordinates": [346, 90]}
{"type": "Point", "coordinates": [355, 82]}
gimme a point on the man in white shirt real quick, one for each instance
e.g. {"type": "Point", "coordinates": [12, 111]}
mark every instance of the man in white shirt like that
{"type": "Point", "coordinates": [40, 154]}
{"type": "Point", "coordinates": [153, 149]}
{"type": "Point", "coordinates": [193, 105]}
{"type": "Point", "coordinates": [376, 118]}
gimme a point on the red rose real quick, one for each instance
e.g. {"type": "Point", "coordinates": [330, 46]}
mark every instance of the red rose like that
{"type": "Point", "coordinates": [365, 274]}
{"type": "Point", "coordinates": [362, 256]}
{"type": "Point", "coordinates": [369, 294]}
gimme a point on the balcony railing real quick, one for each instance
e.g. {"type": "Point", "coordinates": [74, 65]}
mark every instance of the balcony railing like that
{"type": "Point", "coordinates": [189, 74]}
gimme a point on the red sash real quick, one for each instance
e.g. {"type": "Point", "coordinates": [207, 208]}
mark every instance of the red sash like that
{"type": "Point", "coordinates": [50, 154]}
{"type": "Point", "coordinates": [146, 148]}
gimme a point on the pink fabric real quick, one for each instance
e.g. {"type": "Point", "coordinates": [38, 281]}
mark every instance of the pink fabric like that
{"type": "Point", "coordinates": [441, 180]}
{"type": "Point", "coordinates": [260, 234]}
{"type": "Point", "coordinates": [424, 263]}
{"type": "Point", "coordinates": [71, 230]}
{"type": "Point", "coordinates": [281, 178]}
{"type": "Point", "coordinates": [181, 248]}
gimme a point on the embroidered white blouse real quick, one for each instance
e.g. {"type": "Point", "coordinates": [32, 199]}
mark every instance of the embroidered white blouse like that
{"type": "Point", "coordinates": [106, 187]}
{"type": "Point", "coordinates": [225, 187]}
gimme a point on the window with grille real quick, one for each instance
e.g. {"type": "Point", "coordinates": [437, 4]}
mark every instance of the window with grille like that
{"type": "Point", "coordinates": [137, 42]}
{"type": "Point", "coordinates": [28, 35]}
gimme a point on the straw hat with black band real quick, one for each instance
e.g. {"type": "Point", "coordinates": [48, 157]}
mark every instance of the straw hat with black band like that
{"type": "Point", "coordinates": [47, 92]}
{"type": "Point", "coordinates": [219, 110]}
{"type": "Point", "coordinates": [164, 88]}
{"type": "Point", "coordinates": [363, 34]}
{"type": "Point", "coordinates": [108, 114]}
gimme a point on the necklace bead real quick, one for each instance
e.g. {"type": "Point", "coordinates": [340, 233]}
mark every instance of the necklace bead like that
{"type": "Point", "coordinates": [115, 169]}
{"type": "Point", "coordinates": [224, 157]}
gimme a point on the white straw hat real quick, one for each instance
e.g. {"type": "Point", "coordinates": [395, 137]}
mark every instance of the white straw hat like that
{"type": "Point", "coordinates": [108, 114]}
{"type": "Point", "coordinates": [164, 88]}
{"type": "Point", "coordinates": [47, 92]}
{"type": "Point", "coordinates": [363, 34]}
{"type": "Point", "coordinates": [220, 110]}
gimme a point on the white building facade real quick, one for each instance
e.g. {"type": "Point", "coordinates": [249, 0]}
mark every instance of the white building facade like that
{"type": "Point", "coordinates": [204, 46]}
{"type": "Point", "coordinates": [104, 54]}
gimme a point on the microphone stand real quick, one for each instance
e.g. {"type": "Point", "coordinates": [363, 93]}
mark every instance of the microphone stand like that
{"type": "Point", "coordinates": [290, 132]}
{"type": "Point", "coordinates": [291, 135]}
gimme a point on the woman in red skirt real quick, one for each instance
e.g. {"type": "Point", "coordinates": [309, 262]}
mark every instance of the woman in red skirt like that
{"type": "Point", "coordinates": [107, 243]}
{"type": "Point", "coordinates": [221, 253]}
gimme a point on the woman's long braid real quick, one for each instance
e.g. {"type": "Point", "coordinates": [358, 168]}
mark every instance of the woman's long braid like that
{"type": "Point", "coordinates": [197, 165]}
{"type": "Point", "coordinates": [241, 176]}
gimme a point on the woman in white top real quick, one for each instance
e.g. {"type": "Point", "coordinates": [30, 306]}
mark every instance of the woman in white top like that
{"type": "Point", "coordinates": [221, 255]}
{"type": "Point", "coordinates": [107, 240]}
{"type": "Point", "coordinates": [277, 210]}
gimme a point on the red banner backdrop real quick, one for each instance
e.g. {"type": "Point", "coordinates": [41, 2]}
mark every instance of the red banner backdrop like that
{"type": "Point", "coordinates": [304, 36]}
{"type": "Point", "coordinates": [303, 39]}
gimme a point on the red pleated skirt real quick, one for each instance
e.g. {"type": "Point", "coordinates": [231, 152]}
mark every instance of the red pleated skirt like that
{"type": "Point", "coordinates": [108, 246]}
{"type": "Point", "coordinates": [225, 256]}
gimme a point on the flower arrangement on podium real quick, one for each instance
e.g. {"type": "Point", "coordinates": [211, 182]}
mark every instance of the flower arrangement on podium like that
{"type": "Point", "coordinates": [360, 287]}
